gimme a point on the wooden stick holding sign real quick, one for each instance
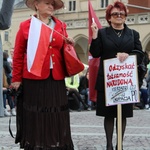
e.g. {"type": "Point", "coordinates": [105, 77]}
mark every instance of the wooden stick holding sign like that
{"type": "Point", "coordinates": [119, 126]}
{"type": "Point", "coordinates": [121, 87]}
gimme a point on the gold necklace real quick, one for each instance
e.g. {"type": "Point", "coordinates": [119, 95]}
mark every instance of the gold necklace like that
{"type": "Point", "coordinates": [119, 33]}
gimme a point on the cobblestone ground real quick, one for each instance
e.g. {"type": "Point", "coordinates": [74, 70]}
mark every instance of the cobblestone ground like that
{"type": "Point", "coordinates": [88, 133]}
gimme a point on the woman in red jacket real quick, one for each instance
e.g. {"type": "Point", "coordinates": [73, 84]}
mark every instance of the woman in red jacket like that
{"type": "Point", "coordinates": [39, 67]}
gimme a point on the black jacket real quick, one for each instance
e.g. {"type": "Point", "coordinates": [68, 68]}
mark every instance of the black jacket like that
{"type": "Point", "coordinates": [106, 47]}
{"type": "Point", "coordinates": [7, 69]}
{"type": "Point", "coordinates": [83, 83]}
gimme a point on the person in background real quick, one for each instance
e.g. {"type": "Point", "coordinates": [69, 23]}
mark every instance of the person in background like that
{"type": "Point", "coordinates": [6, 94]}
{"type": "Point", "coordinates": [72, 84]}
{"type": "Point", "coordinates": [117, 40]}
{"type": "Point", "coordinates": [148, 82]}
{"type": "Point", "coordinates": [45, 113]}
{"type": "Point", "coordinates": [11, 57]}
{"type": "Point", "coordinates": [144, 94]}
{"type": "Point", "coordinates": [5, 21]}
{"type": "Point", "coordinates": [7, 97]}
{"type": "Point", "coordinates": [84, 89]}
{"type": "Point", "coordinates": [148, 87]}
{"type": "Point", "coordinates": [7, 67]}
{"type": "Point", "coordinates": [5, 86]}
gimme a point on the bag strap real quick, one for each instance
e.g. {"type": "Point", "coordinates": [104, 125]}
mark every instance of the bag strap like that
{"type": "Point", "coordinates": [17, 94]}
{"type": "Point", "coordinates": [63, 28]}
{"type": "Point", "coordinates": [10, 131]}
{"type": "Point", "coordinates": [63, 31]}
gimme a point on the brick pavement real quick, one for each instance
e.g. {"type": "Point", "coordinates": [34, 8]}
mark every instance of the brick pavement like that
{"type": "Point", "coordinates": [88, 133]}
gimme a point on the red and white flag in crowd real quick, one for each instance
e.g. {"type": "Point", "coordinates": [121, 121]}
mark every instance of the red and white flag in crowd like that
{"type": "Point", "coordinates": [37, 46]}
{"type": "Point", "coordinates": [93, 62]}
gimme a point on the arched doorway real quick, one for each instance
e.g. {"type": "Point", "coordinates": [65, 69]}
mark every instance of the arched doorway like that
{"type": "Point", "coordinates": [146, 43]}
{"type": "Point", "coordinates": [81, 46]}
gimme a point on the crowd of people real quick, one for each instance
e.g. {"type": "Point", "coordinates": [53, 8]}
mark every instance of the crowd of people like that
{"type": "Point", "coordinates": [78, 88]}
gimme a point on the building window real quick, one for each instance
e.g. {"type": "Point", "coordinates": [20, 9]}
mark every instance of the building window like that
{"type": "Point", "coordinates": [104, 3]}
{"type": "Point", "coordinates": [6, 35]}
{"type": "Point", "coordinates": [72, 5]}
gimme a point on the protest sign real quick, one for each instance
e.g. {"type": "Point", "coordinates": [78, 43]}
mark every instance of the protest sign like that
{"type": "Point", "coordinates": [121, 81]}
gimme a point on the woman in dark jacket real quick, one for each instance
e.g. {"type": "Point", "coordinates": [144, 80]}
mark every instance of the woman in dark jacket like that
{"type": "Point", "coordinates": [117, 40]}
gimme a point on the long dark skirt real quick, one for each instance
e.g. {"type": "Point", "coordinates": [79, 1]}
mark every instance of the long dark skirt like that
{"type": "Point", "coordinates": [46, 120]}
{"type": "Point", "coordinates": [111, 111]}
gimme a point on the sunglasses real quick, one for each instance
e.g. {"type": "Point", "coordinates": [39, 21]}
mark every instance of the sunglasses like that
{"type": "Point", "coordinates": [118, 14]}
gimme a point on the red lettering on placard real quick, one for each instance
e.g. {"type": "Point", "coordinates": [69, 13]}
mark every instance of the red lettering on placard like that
{"type": "Point", "coordinates": [119, 82]}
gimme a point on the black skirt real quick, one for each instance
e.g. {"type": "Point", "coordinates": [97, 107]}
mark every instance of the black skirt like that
{"type": "Point", "coordinates": [46, 120]}
{"type": "Point", "coordinates": [111, 111]}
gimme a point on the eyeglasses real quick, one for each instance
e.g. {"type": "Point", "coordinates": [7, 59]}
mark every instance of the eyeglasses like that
{"type": "Point", "coordinates": [117, 14]}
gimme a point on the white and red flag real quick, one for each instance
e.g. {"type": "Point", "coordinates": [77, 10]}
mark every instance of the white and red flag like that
{"type": "Point", "coordinates": [93, 62]}
{"type": "Point", "coordinates": [37, 46]}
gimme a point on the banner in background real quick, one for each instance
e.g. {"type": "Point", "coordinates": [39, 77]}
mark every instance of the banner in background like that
{"type": "Point", "coordinates": [93, 62]}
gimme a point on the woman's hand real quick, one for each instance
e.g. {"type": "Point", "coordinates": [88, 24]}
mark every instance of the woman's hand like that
{"type": "Point", "coordinates": [15, 85]}
{"type": "Point", "coordinates": [94, 30]}
{"type": "Point", "coordinates": [70, 41]}
{"type": "Point", "coordinates": [122, 56]}
{"type": "Point", "coordinates": [4, 88]}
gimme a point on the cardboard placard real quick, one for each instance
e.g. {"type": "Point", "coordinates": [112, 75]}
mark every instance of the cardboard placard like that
{"type": "Point", "coordinates": [121, 81]}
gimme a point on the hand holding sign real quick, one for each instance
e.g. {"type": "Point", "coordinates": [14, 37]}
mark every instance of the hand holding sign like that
{"type": "Point", "coordinates": [122, 56]}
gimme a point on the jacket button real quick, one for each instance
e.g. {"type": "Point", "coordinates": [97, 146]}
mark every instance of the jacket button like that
{"type": "Point", "coordinates": [53, 55]}
{"type": "Point", "coordinates": [54, 39]}
{"type": "Point", "coordinates": [53, 63]}
{"type": "Point", "coordinates": [50, 47]}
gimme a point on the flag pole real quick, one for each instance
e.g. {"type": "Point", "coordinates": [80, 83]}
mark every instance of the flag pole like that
{"type": "Point", "coordinates": [119, 126]}
{"type": "Point", "coordinates": [51, 28]}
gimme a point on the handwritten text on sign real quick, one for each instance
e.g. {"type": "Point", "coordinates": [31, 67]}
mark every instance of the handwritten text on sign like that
{"type": "Point", "coordinates": [121, 81]}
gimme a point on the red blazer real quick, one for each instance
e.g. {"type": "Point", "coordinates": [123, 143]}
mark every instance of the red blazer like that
{"type": "Point", "coordinates": [54, 50]}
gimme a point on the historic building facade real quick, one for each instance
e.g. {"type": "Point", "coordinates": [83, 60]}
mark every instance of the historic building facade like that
{"type": "Point", "coordinates": [75, 15]}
